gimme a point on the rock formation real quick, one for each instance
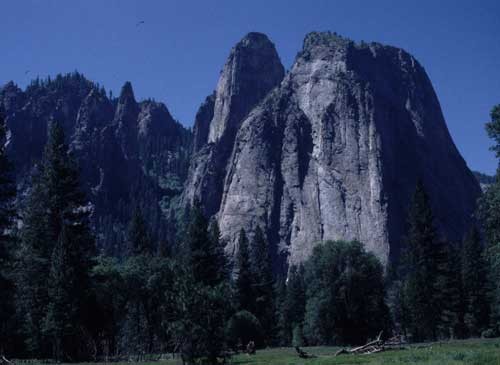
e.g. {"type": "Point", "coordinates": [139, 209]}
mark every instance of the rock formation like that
{"type": "Point", "coordinates": [252, 69]}
{"type": "Point", "coordinates": [130, 153]}
{"type": "Point", "coordinates": [334, 152]}
{"type": "Point", "coordinates": [331, 150]}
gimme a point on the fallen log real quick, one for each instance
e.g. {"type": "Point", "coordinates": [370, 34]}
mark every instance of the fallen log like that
{"type": "Point", "coordinates": [372, 347]}
{"type": "Point", "coordinates": [361, 349]}
{"type": "Point", "coordinates": [4, 361]}
{"type": "Point", "coordinates": [373, 350]}
{"type": "Point", "coordinates": [341, 352]}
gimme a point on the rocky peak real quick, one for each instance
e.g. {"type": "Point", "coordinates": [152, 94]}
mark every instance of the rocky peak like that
{"type": "Point", "coordinates": [126, 101]}
{"type": "Point", "coordinates": [252, 69]}
{"type": "Point", "coordinates": [94, 112]}
{"type": "Point", "coordinates": [323, 45]}
{"type": "Point", "coordinates": [127, 92]}
{"type": "Point", "coordinates": [127, 111]}
{"type": "Point", "coordinates": [202, 122]}
{"type": "Point", "coordinates": [11, 96]}
{"type": "Point", "coordinates": [335, 150]}
{"type": "Point", "coordinates": [154, 118]}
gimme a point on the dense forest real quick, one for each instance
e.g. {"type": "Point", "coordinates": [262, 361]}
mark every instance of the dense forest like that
{"type": "Point", "coordinates": [62, 299]}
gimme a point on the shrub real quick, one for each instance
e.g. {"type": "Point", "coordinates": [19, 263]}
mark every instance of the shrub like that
{"type": "Point", "coordinates": [244, 327]}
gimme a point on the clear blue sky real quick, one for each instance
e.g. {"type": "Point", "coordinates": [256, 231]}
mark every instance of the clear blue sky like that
{"type": "Point", "coordinates": [176, 55]}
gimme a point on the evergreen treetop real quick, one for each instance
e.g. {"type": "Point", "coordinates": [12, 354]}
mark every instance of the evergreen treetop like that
{"type": "Point", "coordinates": [244, 278]}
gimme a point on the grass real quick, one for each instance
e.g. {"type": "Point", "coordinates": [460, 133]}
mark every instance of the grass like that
{"type": "Point", "coordinates": [470, 352]}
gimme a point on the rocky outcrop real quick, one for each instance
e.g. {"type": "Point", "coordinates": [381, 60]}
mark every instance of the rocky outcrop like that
{"type": "Point", "coordinates": [252, 69]}
{"type": "Point", "coordinates": [130, 153]}
{"type": "Point", "coordinates": [202, 121]}
{"type": "Point", "coordinates": [334, 152]}
{"type": "Point", "coordinates": [331, 150]}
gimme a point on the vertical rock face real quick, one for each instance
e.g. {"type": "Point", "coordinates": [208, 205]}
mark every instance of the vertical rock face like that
{"type": "Point", "coordinates": [252, 69]}
{"type": "Point", "coordinates": [335, 151]}
{"type": "Point", "coordinates": [125, 121]}
{"type": "Point", "coordinates": [130, 153]}
{"type": "Point", "coordinates": [202, 123]}
{"type": "Point", "coordinates": [94, 113]}
{"type": "Point", "coordinates": [332, 150]}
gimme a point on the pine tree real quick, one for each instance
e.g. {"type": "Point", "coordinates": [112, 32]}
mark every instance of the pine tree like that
{"type": "Point", "coordinates": [138, 236]}
{"type": "Point", "coordinates": [61, 323]}
{"type": "Point", "coordinates": [263, 285]}
{"type": "Point", "coordinates": [456, 262]}
{"type": "Point", "coordinates": [197, 324]}
{"type": "Point", "coordinates": [493, 129]}
{"type": "Point", "coordinates": [421, 269]}
{"type": "Point", "coordinates": [56, 204]}
{"type": "Point", "coordinates": [474, 276]}
{"type": "Point", "coordinates": [197, 242]}
{"type": "Point", "coordinates": [201, 305]}
{"type": "Point", "coordinates": [448, 294]}
{"type": "Point", "coordinates": [206, 254]}
{"type": "Point", "coordinates": [135, 271]}
{"type": "Point", "coordinates": [7, 214]}
{"type": "Point", "coordinates": [280, 314]}
{"type": "Point", "coordinates": [244, 293]}
{"type": "Point", "coordinates": [7, 195]}
{"type": "Point", "coordinates": [219, 261]}
{"type": "Point", "coordinates": [489, 211]}
{"type": "Point", "coordinates": [293, 306]}
{"type": "Point", "coordinates": [33, 269]}
{"type": "Point", "coordinates": [110, 302]}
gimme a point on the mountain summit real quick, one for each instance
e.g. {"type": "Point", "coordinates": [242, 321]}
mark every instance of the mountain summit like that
{"type": "Point", "coordinates": [333, 149]}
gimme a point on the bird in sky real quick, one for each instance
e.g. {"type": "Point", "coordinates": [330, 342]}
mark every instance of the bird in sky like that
{"type": "Point", "coordinates": [139, 23]}
{"type": "Point", "coordinates": [26, 72]}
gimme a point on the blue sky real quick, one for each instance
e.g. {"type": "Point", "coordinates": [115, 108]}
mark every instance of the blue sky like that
{"type": "Point", "coordinates": [176, 55]}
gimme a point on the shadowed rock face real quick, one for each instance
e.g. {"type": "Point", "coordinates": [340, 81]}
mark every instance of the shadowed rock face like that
{"type": "Point", "coordinates": [130, 153]}
{"type": "Point", "coordinates": [334, 152]}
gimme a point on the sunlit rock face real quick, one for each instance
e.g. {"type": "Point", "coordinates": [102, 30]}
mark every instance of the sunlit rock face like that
{"type": "Point", "coordinates": [334, 152]}
{"type": "Point", "coordinates": [252, 69]}
{"type": "Point", "coordinates": [330, 150]}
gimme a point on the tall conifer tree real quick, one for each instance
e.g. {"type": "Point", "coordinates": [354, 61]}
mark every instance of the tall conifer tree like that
{"type": "Point", "coordinates": [489, 209]}
{"type": "Point", "coordinates": [263, 279]}
{"type": "Point", "coordinates": [61, 323]}
{"type": "Point", "coordinates": [421, 269]}
{"type": "Point", "coordinates": [245, 296]}
{"type": "Point", "coordinates": [7, 213]}
{"type": "Point", "coordinates": [474, 277]}
{"type": "Point", "coordinates": [206, 255]}
{"type": "Point", "coordinates": [138, 236]}
{"type": "Point", "coordinates": [56, 216]}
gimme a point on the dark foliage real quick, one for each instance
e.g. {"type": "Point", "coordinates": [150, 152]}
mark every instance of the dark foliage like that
{"type": "Point", "coordinates": [8, 336]}
{"type": "Point", "coordinates": [345, 295]}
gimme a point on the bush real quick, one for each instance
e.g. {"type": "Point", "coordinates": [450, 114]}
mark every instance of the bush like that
{"type": "Point", "coordinates": [244, 327]}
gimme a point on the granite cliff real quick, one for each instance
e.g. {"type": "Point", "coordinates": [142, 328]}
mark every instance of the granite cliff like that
{"type": "Point", "coordinates": [332, 151]}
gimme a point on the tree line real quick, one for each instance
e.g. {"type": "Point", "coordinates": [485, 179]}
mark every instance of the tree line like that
{"type": "Point", "coordinates": [62, 299]}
